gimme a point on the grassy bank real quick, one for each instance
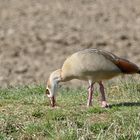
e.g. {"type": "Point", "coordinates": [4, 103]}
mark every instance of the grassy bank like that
{"type": "Point", "coordinates": [25, 114]}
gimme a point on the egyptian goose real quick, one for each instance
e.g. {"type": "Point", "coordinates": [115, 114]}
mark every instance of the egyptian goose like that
{"type": "Point", "coordinates": [92, 65]}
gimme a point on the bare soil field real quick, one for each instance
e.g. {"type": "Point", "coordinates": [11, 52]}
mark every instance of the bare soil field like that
{"type": "Point", "coordinates": [36, 36]}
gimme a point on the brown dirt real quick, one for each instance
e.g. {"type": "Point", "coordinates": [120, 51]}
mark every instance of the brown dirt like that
{"type": "Point", "coordinates": [37, 35]}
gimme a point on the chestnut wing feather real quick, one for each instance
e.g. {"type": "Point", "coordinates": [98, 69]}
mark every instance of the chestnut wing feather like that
{"type": "Point", "coordinates": [127, 66]}
{"type": "Point", "coordinates": [124, 65]}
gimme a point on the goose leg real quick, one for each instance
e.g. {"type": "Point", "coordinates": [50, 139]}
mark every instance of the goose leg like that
{"type": "Point", "coordinates": [103, 98]}
{"type": "Point", "coordinates": [90, 93]}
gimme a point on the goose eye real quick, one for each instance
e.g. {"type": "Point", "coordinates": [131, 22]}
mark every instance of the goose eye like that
{"type": "Point", "coordinates": [47, 92]}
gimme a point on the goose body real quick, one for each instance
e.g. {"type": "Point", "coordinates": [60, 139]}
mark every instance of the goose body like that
{"type": "Point", "coordinates": [92, 65]}
{"type": "Point", "coordinates": [89, 65]}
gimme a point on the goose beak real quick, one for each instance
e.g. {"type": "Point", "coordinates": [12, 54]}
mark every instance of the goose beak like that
{"type": "Point", "coordinates": [52, 101]}
{"type": "Point", "coordinates": [52, 98]}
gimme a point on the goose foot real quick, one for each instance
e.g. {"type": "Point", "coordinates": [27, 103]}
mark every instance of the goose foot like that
{"type": "Point", "coordinates": [104, 104]}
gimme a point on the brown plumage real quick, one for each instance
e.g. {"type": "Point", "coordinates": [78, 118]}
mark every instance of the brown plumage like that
{"type": "Point", "coordinates": [124, 65]}
{"type": "Point", "coordinates": [92, 65]}
{"type": "Point", "coordinates": [127, 67]}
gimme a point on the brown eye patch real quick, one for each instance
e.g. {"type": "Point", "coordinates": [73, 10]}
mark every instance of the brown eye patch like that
{"type": "Point", "coordinates": [47, 92]}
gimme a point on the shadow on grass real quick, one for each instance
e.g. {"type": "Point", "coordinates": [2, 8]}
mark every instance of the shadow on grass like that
{"type": "Point", "coordinates": [125, 104]}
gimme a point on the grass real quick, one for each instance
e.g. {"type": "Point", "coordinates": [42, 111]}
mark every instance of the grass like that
{"type": "Point", "coordinates": [25, 114]}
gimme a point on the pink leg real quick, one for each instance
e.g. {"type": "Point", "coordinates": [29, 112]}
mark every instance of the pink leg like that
{"type": "Point", "coordinates": [90, 93]}
{"type": "Point", "coordinates": [103, 98]}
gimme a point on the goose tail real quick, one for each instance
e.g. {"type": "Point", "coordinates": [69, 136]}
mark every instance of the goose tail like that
{"type": "Point", "coordinates": [127, 67]}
